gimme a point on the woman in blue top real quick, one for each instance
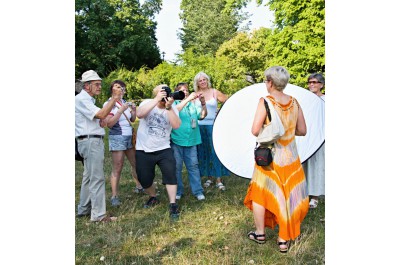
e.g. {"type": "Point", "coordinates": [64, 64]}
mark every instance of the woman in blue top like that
{"type": "Point", "coordinates": [186, 138]}
{"type": "Point", "coordinates": [209, 163]}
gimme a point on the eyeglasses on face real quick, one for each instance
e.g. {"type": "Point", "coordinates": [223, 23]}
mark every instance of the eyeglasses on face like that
{"type": "Point", "coordinates": [313, 82]}
{"type": "Point", "coordinates": [96, 84]}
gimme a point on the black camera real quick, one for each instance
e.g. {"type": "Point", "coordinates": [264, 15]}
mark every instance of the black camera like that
{"type": "Point", "coordinates": [175, 95]}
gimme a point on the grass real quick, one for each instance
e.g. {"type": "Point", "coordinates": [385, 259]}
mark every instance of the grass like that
{"type": "Point", "coordinates": [212, 231]}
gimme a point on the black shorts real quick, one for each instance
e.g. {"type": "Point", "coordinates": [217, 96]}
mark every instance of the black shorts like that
{"type": "Point", "coordinates": [146, 165]}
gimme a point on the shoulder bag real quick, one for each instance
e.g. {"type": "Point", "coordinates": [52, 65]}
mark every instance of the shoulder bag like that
{"type": "Point", "coordinates": [274, 129]}
{"type": "Point", "coordinates": [268, 135]}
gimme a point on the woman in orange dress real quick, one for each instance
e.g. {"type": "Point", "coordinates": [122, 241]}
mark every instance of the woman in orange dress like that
{"type": "Point", "coordinates": [277, 193]}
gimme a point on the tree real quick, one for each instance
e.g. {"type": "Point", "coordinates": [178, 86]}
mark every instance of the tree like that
{"type": "Point", "coordinates": [207, 24]}
{"type": "Point", "coordinates": [298, 43]}
{"type": "Point", "coordinates": [115, 33]}
{"type": "Point", "coordinates": [244, 55]}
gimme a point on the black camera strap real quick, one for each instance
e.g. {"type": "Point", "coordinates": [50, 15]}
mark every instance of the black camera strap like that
{"type": "Point", "coordinates": [267, 108]}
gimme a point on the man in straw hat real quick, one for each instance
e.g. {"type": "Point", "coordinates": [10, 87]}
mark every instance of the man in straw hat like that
{"type": "Point", "coordinates": [90, 136]}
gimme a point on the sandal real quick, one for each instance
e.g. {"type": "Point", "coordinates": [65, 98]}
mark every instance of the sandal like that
{"type": "Point", "coordinates": [254, 237]}
{"type": "Point", "coordinates": [207, 183]}
{"type": "Point", "coordinates": [313, 204]}
{"type": "Point", "coordinates": [220, 186]}
{"type": "Point", "coordinates": [286, 245]}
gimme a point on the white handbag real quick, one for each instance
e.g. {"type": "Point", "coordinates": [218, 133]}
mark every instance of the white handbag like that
{"type": "Point", "coordinates": [272, 131]}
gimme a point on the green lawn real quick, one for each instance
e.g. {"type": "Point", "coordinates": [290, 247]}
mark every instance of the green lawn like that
{"type": "Point", "coordinates": [212, 231]}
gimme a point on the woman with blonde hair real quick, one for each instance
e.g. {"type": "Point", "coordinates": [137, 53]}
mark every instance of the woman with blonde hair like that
{"type": "Point", "coordinates": [277, 194]}
{"type": "Point", "coordinates": [209, 163]}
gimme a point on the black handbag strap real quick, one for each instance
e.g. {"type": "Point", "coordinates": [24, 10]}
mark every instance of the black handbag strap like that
{"type": "Point", "coordinates": [267, 108]}
{"type": "Point", "coordinates": [269, 117]}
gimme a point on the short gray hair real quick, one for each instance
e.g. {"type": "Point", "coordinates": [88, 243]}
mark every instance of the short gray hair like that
{"type": "Point", "coordinates": [278, 75]}
{"type": "Point", "coordinates": [197, 77]}
{"type": "Point", "coordinates": [317, 76]}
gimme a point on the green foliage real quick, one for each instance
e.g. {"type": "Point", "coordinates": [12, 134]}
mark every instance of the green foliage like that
{"type": "Point", "coordinates": [298, 43]}
{"type": "Point", "coordinates": [207, 24]}
{"type": "Point", "coordinates": [244, 55]}
{"type": "Point", "coordinates": [115, 33]}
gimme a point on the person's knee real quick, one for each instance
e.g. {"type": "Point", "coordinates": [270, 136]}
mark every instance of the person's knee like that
{"type": "Point", "coordinates": [117, 169]}
{"type": "Point", "coordinates": [146, 184]}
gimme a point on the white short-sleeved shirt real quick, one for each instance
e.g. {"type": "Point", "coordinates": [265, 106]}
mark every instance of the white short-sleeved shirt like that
{"type": "Point", "coordinates": [154, 130]}
{"type": "Point", "coordinates": [122, 126]}
{"type": "Point", "coordinates": [85, 110]}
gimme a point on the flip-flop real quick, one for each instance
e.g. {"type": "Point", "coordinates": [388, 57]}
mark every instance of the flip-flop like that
{"type": "Point", "coordinates": [255, 237]}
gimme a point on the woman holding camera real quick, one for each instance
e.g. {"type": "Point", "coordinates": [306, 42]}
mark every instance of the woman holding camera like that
{"type": "Point", "coordinates": [120, 140]}
{"type": "Point", "coordinates": [186, 138]}
{"type": "Point", "coordinates": [209, 163]}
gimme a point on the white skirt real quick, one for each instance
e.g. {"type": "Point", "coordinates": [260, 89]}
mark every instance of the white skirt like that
{"type": "Point", "coordinates": [314, 168]}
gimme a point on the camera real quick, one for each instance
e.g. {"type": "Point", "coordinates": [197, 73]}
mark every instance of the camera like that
{"type": "Point", "coordinates": [175, 95]}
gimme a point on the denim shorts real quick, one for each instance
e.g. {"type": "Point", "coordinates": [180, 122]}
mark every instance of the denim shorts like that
{"type": "Point", "coordinates": [119, 142]}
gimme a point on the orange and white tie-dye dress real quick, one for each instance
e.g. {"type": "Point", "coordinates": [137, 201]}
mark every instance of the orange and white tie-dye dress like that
{"type": "Point", "coordinates": [281, 187]}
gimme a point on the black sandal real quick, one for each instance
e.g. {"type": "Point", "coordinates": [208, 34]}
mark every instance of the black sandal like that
{"type": "Point", "coordinates": [285, 243]}
{"type": "Point", "coordinates": [255, 237]}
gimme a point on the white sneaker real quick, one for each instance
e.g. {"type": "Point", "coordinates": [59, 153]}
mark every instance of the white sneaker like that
{"type": "Point", "coordinates": [178, 197]}
{"type": "Point", "coordinates": [201, 197]}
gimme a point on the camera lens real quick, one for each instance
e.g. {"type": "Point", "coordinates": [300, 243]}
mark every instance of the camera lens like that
{"type": "Point", "coordinates": [178, 95]}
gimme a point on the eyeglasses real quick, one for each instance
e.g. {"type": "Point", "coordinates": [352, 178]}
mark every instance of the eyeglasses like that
{"type": "Point", "coordinates": [266, 80]}
{"type": "Point", "coordinates": [313, 82]}
{"type": "Point", "coordinates": [96, 84]}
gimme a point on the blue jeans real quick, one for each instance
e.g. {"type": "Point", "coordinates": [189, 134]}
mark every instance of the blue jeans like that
{"type": "Point", "coordinates": [187, 154]}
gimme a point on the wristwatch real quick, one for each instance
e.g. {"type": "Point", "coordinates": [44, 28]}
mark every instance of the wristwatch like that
{"type": "Point", "coordinates": [167, 108]}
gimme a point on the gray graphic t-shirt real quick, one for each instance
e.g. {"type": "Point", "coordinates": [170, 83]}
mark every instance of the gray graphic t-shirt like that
{"type": "Point", "coordinates": [154, 130]}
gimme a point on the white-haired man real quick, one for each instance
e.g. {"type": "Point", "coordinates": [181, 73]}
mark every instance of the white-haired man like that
{"type": "Point", "coordinates": [89, 135]}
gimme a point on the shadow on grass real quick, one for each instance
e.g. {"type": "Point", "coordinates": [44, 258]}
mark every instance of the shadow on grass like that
{"type": "Point", "coordinates": [167, 251]}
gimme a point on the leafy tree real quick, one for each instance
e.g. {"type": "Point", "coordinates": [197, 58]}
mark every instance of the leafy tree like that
{"type": "Point", "coordinates": [244, 55]}
{"type": "Point", "coordinates": [207, 24]}
{"type": "Point", "coordinates": [298, 43]}
{"type": "Point", "coordinates": [115, 33]}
